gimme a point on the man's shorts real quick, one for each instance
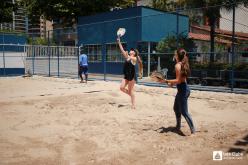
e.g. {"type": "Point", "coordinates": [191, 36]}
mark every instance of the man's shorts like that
{"type": "Point", "coordinates": [83, 69]}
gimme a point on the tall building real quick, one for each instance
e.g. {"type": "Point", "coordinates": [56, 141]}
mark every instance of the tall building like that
{"type": "Point", "coordinates": [66, 36]}
{"type": "Point", "coordinates": [144, 2]}
{"type": "Point", "coordinates": [22, 24]}
{"type": "Point", "coordinates": [19, 21]}
{"type": "Point", "coordinates": [45, 26]}
{"type": "Point", "coordinates": [241, 21]}
{"type": "Point", "coordinates": [34, 26]}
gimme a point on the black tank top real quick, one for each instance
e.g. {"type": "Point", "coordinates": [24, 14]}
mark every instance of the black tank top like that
{"type": "Point", "coordinates": [129, 70]}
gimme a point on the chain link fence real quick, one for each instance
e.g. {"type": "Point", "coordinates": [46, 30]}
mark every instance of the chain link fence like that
{"type": "Point", "coordinates": [218, 55]}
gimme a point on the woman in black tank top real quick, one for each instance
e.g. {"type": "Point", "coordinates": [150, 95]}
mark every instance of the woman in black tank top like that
{"type": "Point", "coordinates": [129, 71]}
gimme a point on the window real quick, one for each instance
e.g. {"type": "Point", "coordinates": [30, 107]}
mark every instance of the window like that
{"type": "Point", "coordinates": [114, 53]}
{"type": "Point", "coordinates": [143, 47]}
{"type": "Point", "coordinates": [94, 53]}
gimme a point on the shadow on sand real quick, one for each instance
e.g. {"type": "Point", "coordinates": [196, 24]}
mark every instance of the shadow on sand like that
{"type": "Point", "coordinates": [170, 129]}
{"type": "Point", "coordinates": [241, 145]}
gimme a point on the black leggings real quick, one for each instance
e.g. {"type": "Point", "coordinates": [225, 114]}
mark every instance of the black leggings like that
{"type": "Point", "coordinates": [181, 106]}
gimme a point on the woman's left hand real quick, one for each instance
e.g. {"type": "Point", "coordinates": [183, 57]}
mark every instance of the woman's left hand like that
{"type": "Point", "coordinates": [170, 85]}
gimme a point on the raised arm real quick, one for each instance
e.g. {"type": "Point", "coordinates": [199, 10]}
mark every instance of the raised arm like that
{"type": "Point", "coordinates": [123, 52]}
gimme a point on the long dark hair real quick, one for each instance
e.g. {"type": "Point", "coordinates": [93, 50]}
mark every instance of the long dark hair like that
{"type": "Point", "coordinates": [183, 58]}
{"type": "Point", "coordinates": [140, 63]}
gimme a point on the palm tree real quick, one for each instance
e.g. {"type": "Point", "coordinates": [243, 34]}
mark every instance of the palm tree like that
{"type": "Point", "coordinates": [6, 11]}
{"type": "Point", "coordinates": [166, 5]}
{"type": "Point", "coordinates": [211, 9]}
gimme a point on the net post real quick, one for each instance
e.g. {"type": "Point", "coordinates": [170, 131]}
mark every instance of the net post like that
{"type": "Point", "coordinates": [233, 46]}
{"type": "Point", "coordinates": [4, 71]}
{"type": "Point", "coordinates": [104, 60]}
{"type": "Point", "coordinates": [33, 56]}
{"type": "Point", "coordinates": [58, 59]}
{"type": "Point", "coordinates": [177, 24]}
{"type": "Point", "coordinates": [49, 56]}
{"type": "Point", "coordinates": [78, 53]}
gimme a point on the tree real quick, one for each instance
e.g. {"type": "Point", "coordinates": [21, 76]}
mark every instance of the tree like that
{"type": "Point", "coordinates": [211, 10]}
{"type": "Point", "coordinates": [168, 45]}
{"type": "Point", "coordinates": [168, 5]}
{"type": "Point", "coordinates": [165, 5]}
{"type": "Point", "coordinates": [69, 10]}
{"type": "Point", "coordinates": [6, 9]}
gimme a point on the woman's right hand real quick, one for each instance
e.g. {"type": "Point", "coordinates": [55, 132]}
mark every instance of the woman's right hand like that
{"type": "Point", "coordinates": [118, 39]}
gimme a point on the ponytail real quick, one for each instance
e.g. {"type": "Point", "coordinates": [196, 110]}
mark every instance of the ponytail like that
{"type": "Point", "coordinates": [183, 58]}
{"type": "Point", "coordinates": [140, 64]}
{"type": "Point", "coordinates": [185, 70]}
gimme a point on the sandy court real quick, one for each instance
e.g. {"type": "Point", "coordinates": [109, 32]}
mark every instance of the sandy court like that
{"type": "Point", "coordinates": [60, 121]}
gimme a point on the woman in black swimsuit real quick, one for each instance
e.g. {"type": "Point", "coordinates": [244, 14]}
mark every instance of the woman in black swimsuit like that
{"type": "Point", "coordinates": [183, 92]}
{"type": "Point", "coordinates": [129, 71]}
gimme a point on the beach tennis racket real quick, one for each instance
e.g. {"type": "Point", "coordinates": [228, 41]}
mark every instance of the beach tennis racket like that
{"type": "Point", "coordinates": [121, 32]}
{"type": "Point", "coordinates": [157, 76]}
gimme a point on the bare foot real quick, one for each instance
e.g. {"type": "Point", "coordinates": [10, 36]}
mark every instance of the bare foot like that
{"type": "Point", "coordinates": [133, 107]}
{"type": "Point", "coordinates": [192, 134]}
{"type": "Point", "coordinates": [82, 81]}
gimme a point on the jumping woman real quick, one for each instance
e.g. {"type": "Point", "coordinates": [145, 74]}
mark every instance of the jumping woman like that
{"type": "Point", "coordinates": [183, 91]}
{"type": "Point", "coordinates": [129, 71]}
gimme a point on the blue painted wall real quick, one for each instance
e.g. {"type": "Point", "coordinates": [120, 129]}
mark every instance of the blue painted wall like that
{"type": "Point", "coordinates": [111, 67]}
{"type": "Point", "coordinates": [12, 38]}
{"type": "Point", "coordinates": [11, 71]}
{"type": "Point", "coordinates": [157, 24]}
{"type": "Point", "coordinates": [141, 23]}
{"type": "Point", "coordinates": [95, 67]}
{"type": "Point", "coordinates": [101, 28]}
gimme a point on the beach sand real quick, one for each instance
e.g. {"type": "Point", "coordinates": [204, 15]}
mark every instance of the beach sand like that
{"type": "Point", "coordinates": [61, 121]}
